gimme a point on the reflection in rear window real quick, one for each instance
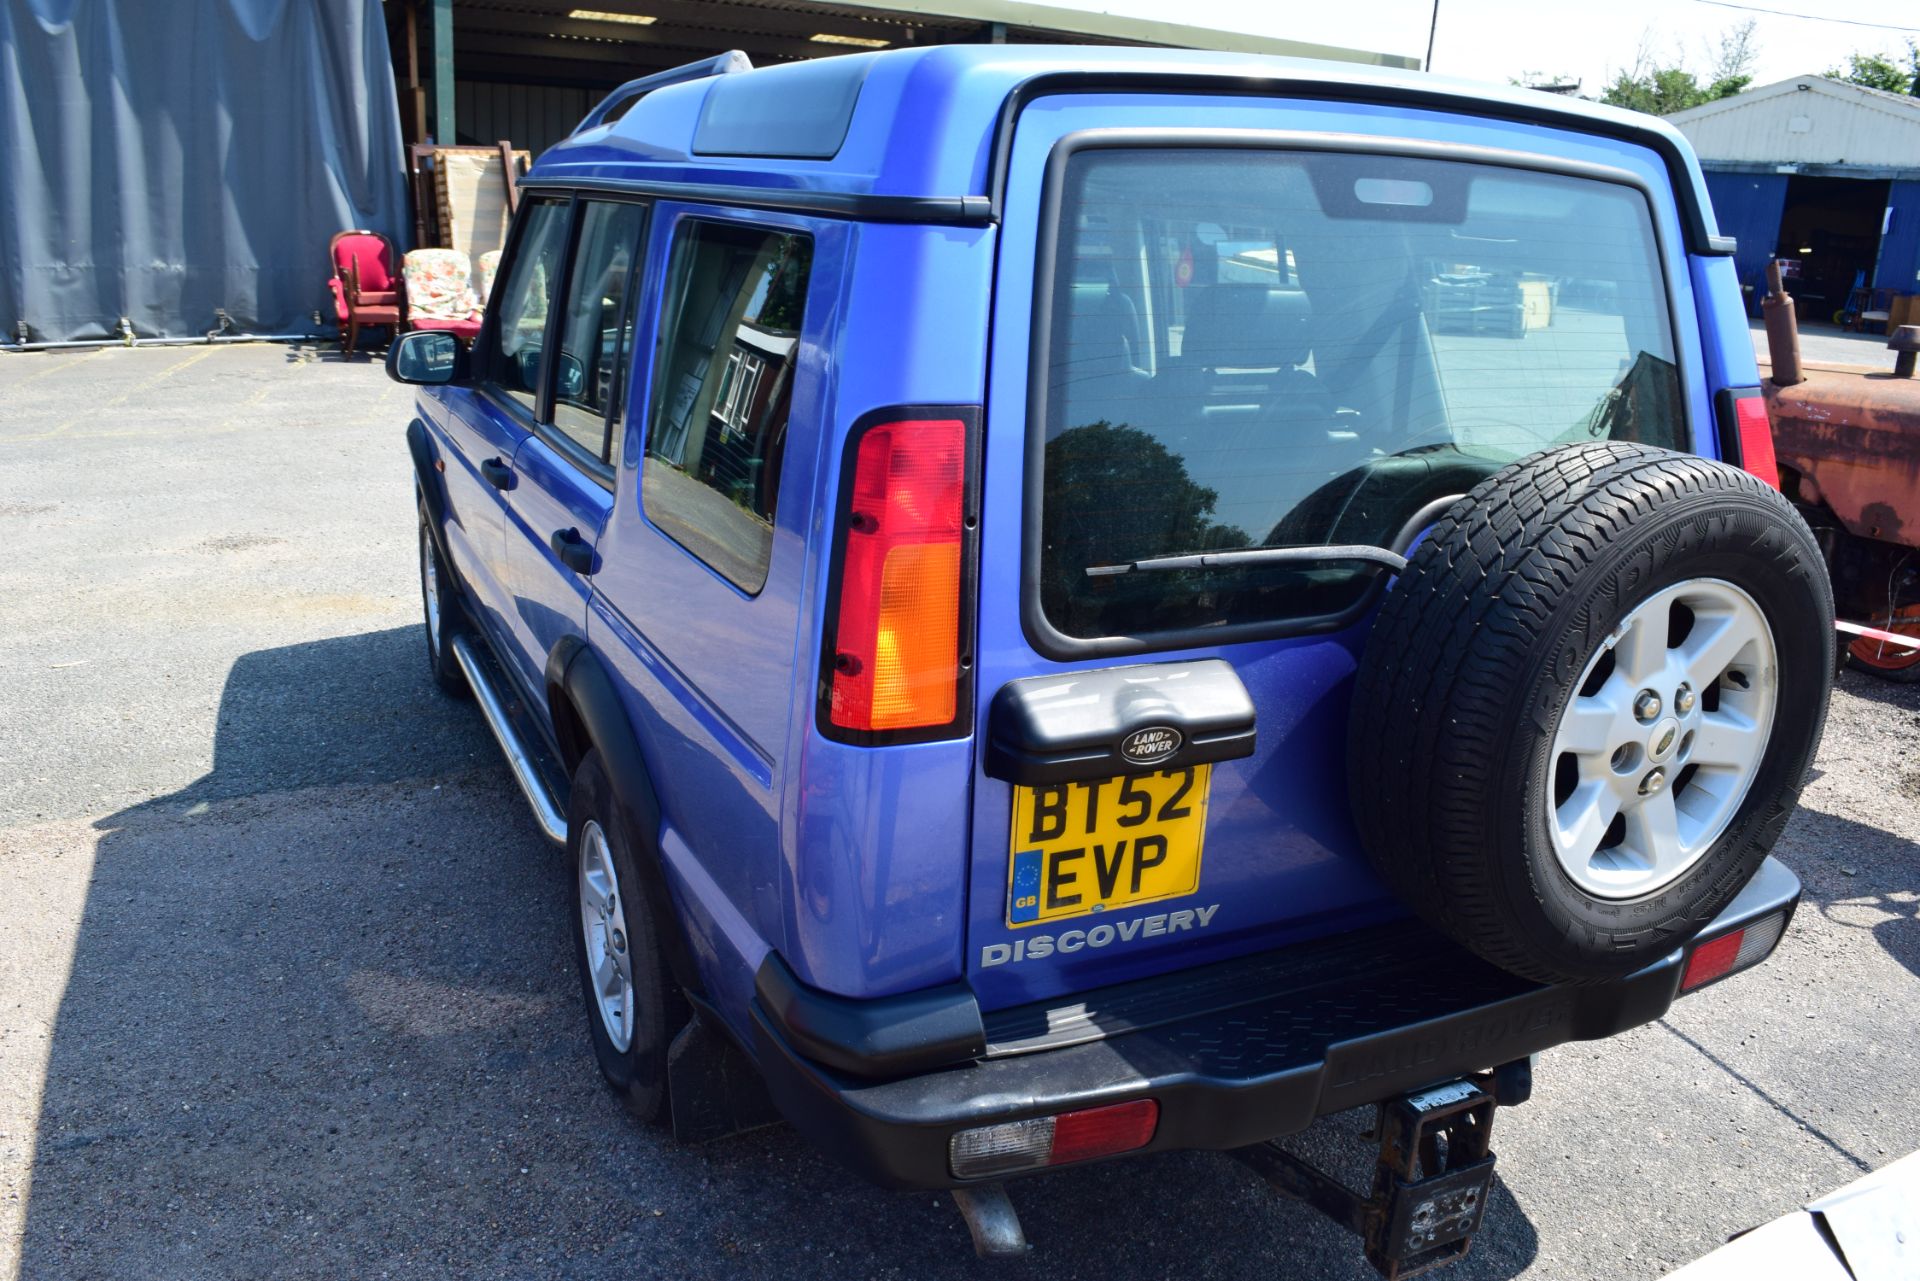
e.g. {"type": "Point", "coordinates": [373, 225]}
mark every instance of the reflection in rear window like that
{"type": "Point", "coordinates": [1268, 349]}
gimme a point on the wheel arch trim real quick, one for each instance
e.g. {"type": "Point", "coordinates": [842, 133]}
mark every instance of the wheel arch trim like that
{"type": "Point", "coordinates": [433, 491]}
{"type": "Point", "coordinates": [588, 713]}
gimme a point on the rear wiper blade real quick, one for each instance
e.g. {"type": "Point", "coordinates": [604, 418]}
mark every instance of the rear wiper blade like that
{"type": "Point", "coordinates": [1378, 557]}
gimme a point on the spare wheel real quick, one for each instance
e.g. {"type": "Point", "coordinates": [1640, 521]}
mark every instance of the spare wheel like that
{"type": "Point", "coordinates": [1586, 710]}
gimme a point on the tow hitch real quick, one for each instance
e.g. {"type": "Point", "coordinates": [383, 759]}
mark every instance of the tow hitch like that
{"type": "Point", "coordinates": [1430, 1180]}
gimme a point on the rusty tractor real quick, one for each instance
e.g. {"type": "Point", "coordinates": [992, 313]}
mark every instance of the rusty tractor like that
{"type": "Point", "coordinates": [1847, 440]}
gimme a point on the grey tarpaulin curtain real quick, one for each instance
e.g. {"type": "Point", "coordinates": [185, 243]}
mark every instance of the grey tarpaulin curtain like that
{"type": "Point", "coordinates": [163, 158]}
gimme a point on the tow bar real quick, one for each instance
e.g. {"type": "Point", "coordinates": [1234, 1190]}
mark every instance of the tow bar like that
{"type": "Point", "coordinates": [1430, 1180]}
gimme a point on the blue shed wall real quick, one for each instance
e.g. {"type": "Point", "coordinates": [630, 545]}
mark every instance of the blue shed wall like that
{"type": "Point", "coordinates": [1748, 206]}
{"type": "Point", "coordinates": [1899, 267]}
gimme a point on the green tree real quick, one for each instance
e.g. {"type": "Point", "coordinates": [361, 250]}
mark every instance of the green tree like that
{"type": "Point", "coordinates": [1880, 71]}
{"type": "Point", "coordinates": [1662, 87]}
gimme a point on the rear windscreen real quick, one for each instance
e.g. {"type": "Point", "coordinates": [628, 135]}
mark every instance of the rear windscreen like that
{"type": "Point", "coordinates": [1271, 349]}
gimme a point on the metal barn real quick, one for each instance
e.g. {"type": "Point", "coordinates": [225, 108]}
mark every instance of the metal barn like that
{"type": "Point", "coordinates": [476, 71]}
{"type": "Point", "coordinates": [1823, 174]}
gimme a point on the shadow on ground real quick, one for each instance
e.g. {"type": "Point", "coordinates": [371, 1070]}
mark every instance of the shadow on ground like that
{"type": "Point", "coordinates": [322, 1021]}
{"type": "Point", "coordinates": [1856, 875]}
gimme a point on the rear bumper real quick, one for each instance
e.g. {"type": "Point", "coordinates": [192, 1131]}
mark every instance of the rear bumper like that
{"type": "Point", "coordinates": [1234, 1054]}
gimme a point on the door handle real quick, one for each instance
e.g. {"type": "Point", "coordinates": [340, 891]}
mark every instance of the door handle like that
{"type": "Point", "coordinates": [497, 473]}
{"type": "Point", "coordinates": [575, 552]}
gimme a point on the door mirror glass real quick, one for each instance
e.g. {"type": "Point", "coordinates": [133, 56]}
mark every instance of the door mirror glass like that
{"type": "Point", "coordinates": [573, 378]}
{"type": "Point", "coordinates": [526, 365]}
{"type": "Point", "coordinates": [424, 357]}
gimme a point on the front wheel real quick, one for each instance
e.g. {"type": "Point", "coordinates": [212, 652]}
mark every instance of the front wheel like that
{"type": "Point", "coordinates": [633, 1006]}
{"type": "Point", "coordinates": [441, 607]}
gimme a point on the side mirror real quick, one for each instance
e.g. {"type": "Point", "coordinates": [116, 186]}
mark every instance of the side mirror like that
{"type": "Point", "coordinates": [426, 357]}
{"type": "Point", "coordinates": [573, 378]}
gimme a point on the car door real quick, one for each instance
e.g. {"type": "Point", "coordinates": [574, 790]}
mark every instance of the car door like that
{"type": "Point", "coordinates": [563, 471]}
{"type": "Point", "coordinates": [485, 420]}
{"type": "Point", "coordinates": [697, 604]}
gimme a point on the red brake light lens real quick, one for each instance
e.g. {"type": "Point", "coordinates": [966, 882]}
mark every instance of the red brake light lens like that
{"type": "Point", "coordinates": [1756, 438]}
{"type": "Point", "coordinates": [1711, 960]}
{"type": "Point", "coordinates": [1732, 952]}
{"type": "Point", "coordinates": [1122, 1127]}
{"type": "Point", "coordinates": [896, 641]}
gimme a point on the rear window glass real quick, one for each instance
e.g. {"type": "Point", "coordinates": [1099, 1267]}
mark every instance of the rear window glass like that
{"type": "Point", "coordinates": [1268, 349]}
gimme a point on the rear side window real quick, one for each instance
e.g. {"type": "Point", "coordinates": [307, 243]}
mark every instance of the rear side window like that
{"type": "Point", "coordinates": [523, 301]}
{"type": "Point", "coordinates": [718, 427]}
{"type": "Point", "coordinates": [1252, 348]}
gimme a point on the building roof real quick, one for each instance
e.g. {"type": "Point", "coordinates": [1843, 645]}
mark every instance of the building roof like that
{"type": "Point", "coordinates": [1806, 120]}
{"type": "Point", "coordinates": [600, 43]}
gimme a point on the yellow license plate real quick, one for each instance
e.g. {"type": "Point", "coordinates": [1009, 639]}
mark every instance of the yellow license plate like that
{"type": "Point", "coordinates": [1085, 847]}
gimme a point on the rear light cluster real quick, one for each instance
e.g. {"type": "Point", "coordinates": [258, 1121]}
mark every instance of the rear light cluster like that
{"type": "Point", "coordinates": [1750, 433]}
{"type": "Point", "coordinates": [894, 658]}
{"type": "Point", "coordinates": [1729, 953]}
{"type": "Point", "coordinates": [1034, 1144]}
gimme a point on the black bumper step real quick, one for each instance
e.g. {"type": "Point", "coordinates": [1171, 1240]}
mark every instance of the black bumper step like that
{"type": "Point", "coordinates": [1339, 1024]}
{"type": "Point", "coordinates": [1274, 1005]}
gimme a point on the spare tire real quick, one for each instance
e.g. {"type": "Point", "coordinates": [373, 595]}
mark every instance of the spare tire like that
{"type": "Point", "coordinates": [1586, 709]}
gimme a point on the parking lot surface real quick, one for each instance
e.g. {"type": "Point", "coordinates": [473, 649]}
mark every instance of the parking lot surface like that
{"type": "Point", "coordinates": [286, 987]}
{"type": "Point", "coordinates": [1827, 345]}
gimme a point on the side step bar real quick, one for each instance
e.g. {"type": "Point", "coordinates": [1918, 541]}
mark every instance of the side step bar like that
{"type": "Point", "coordinates": [553, 824]}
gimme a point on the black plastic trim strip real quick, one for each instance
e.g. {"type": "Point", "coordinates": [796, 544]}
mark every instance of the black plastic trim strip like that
{"type": "Point", "coordinates": [433, 491]}
{"type": "Point", "coordinates": [962, 723]}
{"type": "Point", "coordinates": [886, 1036]}
{"type": "Point", "coordinates": [1728, 419]}
{"type": "Point", "coordinates": [961, 211]}
{"type": "Point", "coordinates": [1049, 640]}
{"type": "Point", "coordinates": [1687, 193]}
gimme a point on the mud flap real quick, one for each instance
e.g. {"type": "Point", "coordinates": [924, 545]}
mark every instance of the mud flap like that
{"type": "Point", "coordinates": [712, 1089]}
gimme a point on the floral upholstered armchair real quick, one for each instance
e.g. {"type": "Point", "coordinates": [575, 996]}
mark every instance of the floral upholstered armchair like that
{"type": "Point", "coordinates": [440, 292]}
{"type": "Point", "coordinates": [489, 264]}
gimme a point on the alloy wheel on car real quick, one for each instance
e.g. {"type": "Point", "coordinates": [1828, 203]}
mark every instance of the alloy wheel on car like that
{"type": "Point", "coordinates": [1659, 744]}
{"type": "Point", "coordinates": [603, 925]}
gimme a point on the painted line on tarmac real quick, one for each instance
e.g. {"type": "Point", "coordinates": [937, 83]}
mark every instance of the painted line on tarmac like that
{"type": "Point", "coordinates": [64, 428]}
{"type": "Point", "coordinates": [58, 366]}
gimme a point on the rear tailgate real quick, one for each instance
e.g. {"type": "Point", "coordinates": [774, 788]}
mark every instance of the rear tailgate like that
{"type": "Point", "coordinates": [1226, 325]}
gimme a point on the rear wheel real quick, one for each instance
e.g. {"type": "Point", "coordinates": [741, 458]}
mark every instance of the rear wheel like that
{"type": "Point", "coordinates": [632, 1004]}
{"type": "Point", "coordinates": [1587, 708]}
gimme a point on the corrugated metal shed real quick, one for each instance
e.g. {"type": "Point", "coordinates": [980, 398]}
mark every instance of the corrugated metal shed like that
{"type": "Point", "coordinates": [1811, 122]}
{"type": "Point", "coordinates": [527, 70]}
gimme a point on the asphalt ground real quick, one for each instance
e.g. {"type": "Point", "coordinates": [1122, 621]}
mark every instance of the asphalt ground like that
{"type": "Point", "coordinates": [1829, 345]}
{"type": "Point", "coordinates": [286, 986]}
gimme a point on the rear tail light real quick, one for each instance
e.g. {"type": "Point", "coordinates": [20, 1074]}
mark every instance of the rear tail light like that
{"type": "Point", "coordinates": [1729, 953]}
{"type": "Point", "coordinates": [1745, 434]}
{"type": "Point", "coordinates": [993, 1150]}
{"type": "Point", "coordinates": [895, 658]}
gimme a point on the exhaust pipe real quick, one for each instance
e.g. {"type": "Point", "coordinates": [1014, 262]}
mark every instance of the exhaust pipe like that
{"type": "Point", "coordinates": [1783, 334]}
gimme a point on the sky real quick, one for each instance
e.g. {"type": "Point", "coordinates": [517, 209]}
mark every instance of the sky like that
{"type": "Point", "coordinates": [1587, 40]}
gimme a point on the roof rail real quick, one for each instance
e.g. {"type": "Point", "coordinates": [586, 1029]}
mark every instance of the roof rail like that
{"type": "Point", "coordinates": [724, 64]}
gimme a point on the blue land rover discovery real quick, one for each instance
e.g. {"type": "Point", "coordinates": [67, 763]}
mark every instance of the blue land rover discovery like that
{"type": "Point", "coordinates": [1066, 602]}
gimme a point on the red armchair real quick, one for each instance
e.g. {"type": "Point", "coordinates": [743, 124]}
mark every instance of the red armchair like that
{"type": "Point", "coordinates": [365, 291]}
